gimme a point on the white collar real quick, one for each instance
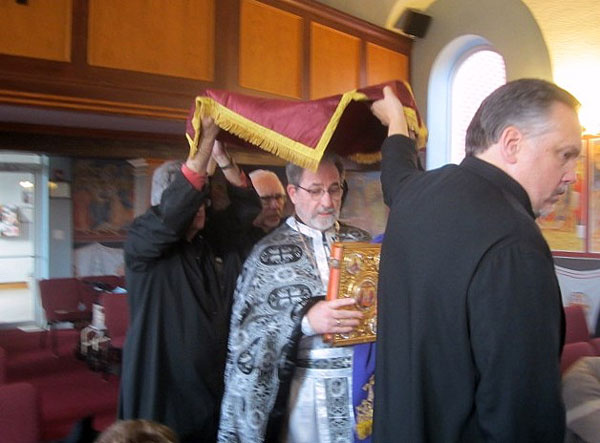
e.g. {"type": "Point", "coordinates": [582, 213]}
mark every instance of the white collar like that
{"type": "Point", "coordinates": [309, 231]}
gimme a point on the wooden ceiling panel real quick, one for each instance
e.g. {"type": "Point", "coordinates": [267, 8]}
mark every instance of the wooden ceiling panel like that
{"type": "Point", "coordinates": [334, 61]}
{"type": "Point", "coordinates": [271, 48]}
{"type": "Point", "coordinates": [384, 65]}
{"type": "Point", "coordinates": [169, 38]}
{"type": "Point", "coordinates": [40, 29]}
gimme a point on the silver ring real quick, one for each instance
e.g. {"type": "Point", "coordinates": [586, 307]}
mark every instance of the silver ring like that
{"type": "Point", "coordinates": [338, 322]}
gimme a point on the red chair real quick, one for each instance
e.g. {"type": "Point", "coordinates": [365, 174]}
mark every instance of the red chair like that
{"type": "Point", "coordinates": [116, 317]}
{"type": "Point", "coordinates": [576, 324]}
{"type": "Point", "coordinates": [20, 416]}
{"type": "Point", "coordinates": [62, 302]}
{"type": "Point", "coordinates": [93, 285]}
{"type": "Point", "coordinates": [595, 342]}
{"type": "Point", "coordinates": [577, 328]}
{"type": "Point", "coordinates": [116, 321]}
{"type": "Point", "coordinates": [573, 352]}
{"type": "Point", "coordinates": [2, 366]}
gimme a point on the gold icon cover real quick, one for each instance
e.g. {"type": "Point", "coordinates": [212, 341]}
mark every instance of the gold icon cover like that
{"type": "Point", "coordinates": [354, 271]}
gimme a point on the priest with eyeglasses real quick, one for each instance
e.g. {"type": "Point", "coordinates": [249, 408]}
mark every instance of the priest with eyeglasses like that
{"type": "Point", "coordinates": [283, 382]}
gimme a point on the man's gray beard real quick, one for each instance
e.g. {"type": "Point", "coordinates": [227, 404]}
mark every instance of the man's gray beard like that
{"type": "Point", "coordinates": [544, 212]}
{"type": "Point", "coordinates": [322, 227]}
{"type": "Point", "coordinates": [334, 217]}
{"type": "Point", "coordinates": [547, 210]}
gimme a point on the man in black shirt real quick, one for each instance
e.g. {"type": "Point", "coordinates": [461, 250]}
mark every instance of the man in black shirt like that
{"type": "Point", "coordinates": [470, 323]}
{"type": "Point", "coordinates": [174, 355]}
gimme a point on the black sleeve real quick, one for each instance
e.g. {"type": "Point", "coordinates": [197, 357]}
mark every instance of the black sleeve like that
{"type": "Point", "coordinates": [162, 226]}
{"type": "Point", "coordinates": [245, 203]}
{"type": "Point", "coordinates": [400, 161]}
{"type": "Point", "coordinates": [514, 311]}
{"type": "Point", "coordinates": [232, 229]}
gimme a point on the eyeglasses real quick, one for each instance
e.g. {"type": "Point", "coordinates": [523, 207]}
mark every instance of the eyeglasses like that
{"type": "Point", "coordinates": [334, 191]}
{"type": "Point", "coordinates": [266, 199]}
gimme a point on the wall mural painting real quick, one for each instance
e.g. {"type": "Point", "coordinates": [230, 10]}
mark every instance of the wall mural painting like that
{"type": "Point", "coordinates": [594, 150]}
{"type": "Point", "coordinates": [9, 221]}
{"type": "Point", "coordinates": [363, 206]}
{"type": "Point", "coordinates": [103, 193]}
{"type": "Point", "coordinates": [565, 227]}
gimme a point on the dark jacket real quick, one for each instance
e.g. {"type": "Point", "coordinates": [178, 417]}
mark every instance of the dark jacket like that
{"type": "Point", "coordinates": [174, 355]}
{"type": "Point", "coordinates": [232, 235]}
{"type": "Point", "coordinates": [470, 320]}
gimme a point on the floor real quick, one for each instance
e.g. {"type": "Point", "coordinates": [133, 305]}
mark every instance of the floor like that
{"type": "Point", "coordinates": [68, 390]}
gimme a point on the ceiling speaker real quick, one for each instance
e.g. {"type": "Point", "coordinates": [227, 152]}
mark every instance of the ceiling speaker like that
{"type": "Point", "coordinates": [413, 22]}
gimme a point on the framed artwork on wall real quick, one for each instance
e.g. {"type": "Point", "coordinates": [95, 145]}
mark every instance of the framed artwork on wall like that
{"type": "Point", "coordinates": [9, 221]}
{"type": "Point", "coordinates": [102, 199]}
{"type": "Point", "coordinates": [594, 197]}
{"type": "Point", "coordinates": [363, 207]}
{"type": "Point", "coordinates": [565, 227]}
{"type": "Point", "coordinates": [59, 189]}
{"type": "Point", "coordinates": [573, 227]}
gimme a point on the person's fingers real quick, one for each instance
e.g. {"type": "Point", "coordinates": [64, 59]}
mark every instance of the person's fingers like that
{"type": "Point", "coordinates": [344, 326]}
{"type": "Point", "coordinates": [387, 92]}
{"type": "Point", "coordinates": [337, 307]}
{"type": "Point", "coordinates": [344, 313]}
{"type": "Point", "coordinates": [208, 124]}
{"type": "Point", "coordinates": [378, 108]}
{"type": "Point", "coordinates": [209, 129]}
{"type": "Point", "coordinates": [341, 302]}
{"type": "Point", "coordinates": [377, 104]}
{"type": "Point", "coordinates": [391, 98]}
{"type": "Point", "coordinates": [347, 322]}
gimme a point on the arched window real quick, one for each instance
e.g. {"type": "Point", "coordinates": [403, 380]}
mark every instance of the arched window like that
{"type": "Point", "coordinates": [466, 71]}
{"type": "Point", "coordinates": [478, 74]}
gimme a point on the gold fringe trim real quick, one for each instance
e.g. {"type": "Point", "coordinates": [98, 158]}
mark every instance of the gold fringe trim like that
{"type": "Point", "coordinates": [364, 429]}
{"type": "Point", "coordinates": [364, 411]}
{"type": "Point", "coordinates": [413, 122]}
{"type": "Point", "coordinates": [284, 147]}
{"type": "Point", "coordinates": [420, 131]}
{"type": "Point", "coordinates": [265, 138]}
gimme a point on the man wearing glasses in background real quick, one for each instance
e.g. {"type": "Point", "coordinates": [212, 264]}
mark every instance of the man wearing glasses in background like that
{"type": "Point", "coordinates": [283, 382]}
{"type": "Point", "coordinates": [238, 228]}
{"type": "Point", "coordinates": [272, 199]}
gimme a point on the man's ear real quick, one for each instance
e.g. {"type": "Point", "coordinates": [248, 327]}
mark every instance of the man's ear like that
{"type": "Point", "coordinates": [510, 144]}
{"type": "Point", "coordinates": [291, 190]}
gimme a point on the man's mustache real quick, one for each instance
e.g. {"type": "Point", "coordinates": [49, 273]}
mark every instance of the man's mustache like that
{"type": "Point", "coordinates": [561, 189]}
{"type": "Point", "coordinates": [328, 211]}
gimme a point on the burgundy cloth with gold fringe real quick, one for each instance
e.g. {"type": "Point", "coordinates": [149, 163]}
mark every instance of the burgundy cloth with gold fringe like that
{"type": "Point", "coordinates": [301, 131]}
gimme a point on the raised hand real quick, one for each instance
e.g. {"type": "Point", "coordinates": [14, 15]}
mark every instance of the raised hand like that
{"type": "Point", "coordinates": [390, 112]}
{"type": "Point", "coordinates": [220, 155]}
{"type": "Point", "coordinates": [199, 161]}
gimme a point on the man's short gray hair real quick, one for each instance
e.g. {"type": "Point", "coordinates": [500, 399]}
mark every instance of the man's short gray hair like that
{"type": "Point", "coordinates": [161, 179]}
{"type": "Point", "coordinates": [294, 172]}
{"type": "Point", "coordinates": [523, 103]}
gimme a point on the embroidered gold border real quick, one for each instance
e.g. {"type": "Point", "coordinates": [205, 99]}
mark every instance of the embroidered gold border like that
{"type": "Point", "coordinates": [283, 146]}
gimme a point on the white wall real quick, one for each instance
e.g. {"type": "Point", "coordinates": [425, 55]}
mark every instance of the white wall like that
{"type": "Point", "coordinates": [373, 11]}
{"type": "Point", "coordinates": [507, 24]}
{"type": "Point", "coordinates": [14, 269]}
{"type": "Point", "coordinates": [61, 225]}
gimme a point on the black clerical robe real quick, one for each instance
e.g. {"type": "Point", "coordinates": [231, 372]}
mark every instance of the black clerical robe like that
{"type": "Point", "coordinates": [470, 316]}
{"type": "Point", "coordinates": [174, 355]}
{"type": "Point", "coordinates": [232, 234]}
